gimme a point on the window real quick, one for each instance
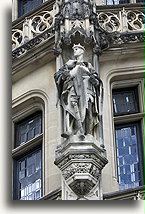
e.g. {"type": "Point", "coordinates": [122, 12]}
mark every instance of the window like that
{"type": "Point", "coordinates": [139, 1]}
{"type": "Point", "coordinates": [128, 138]}
{"type": "Point", "coordinates": [25, 6]}
{"type": "Point", "coordinates": [128, 157]}
{"type": "Point", "coordinates": [111, 2]}
{"type": "Point", "coordinates": [27, 155]}
{"type": "Point", "coordinates": [125, 102]}
{"type": "Point", "coordinates": [28, 129]}
{"type": "Point", "coordinates": [114, 2]}
{"type": "Point", "coordinates": [28, 181]}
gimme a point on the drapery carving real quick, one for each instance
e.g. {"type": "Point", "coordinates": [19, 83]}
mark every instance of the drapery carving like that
{"type": "Point", "coordinates": [78, 90]}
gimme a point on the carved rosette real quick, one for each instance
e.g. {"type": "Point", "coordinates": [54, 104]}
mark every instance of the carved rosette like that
{"type": "Point", "coordinates": [81, 162]}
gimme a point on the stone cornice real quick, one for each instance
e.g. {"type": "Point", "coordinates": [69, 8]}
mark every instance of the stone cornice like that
{"type": "Point", "coordinates": [54, 195]}
{"type": "Point", "coordinates": [130, 194]}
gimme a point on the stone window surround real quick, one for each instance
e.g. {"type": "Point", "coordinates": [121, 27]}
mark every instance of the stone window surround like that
{"type": "Point", "coordinates": [35, 142]}
{"type": "Point", "coordinates": [127, 118]}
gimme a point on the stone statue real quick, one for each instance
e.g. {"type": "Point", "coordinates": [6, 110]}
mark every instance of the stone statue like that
{"type": "Point", "coordinates": [78, 90]}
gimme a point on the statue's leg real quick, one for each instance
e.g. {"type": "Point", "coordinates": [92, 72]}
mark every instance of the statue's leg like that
{"type": "Point", "coordinates": [68, 130]}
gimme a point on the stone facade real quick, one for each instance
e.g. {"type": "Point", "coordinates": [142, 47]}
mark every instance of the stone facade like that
{"type": "Point", "coordinates": [80, 165]}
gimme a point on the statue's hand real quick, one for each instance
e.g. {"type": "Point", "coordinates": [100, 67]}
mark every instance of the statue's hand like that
{"type": "Point", "coordinates": [94, 80]}
{"type": "Point", "coordinates": [70, 63]}
{"type": "Point", "coordinates": [65, 75]}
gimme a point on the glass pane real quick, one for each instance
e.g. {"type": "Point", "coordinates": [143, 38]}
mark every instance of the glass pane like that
{"type": "Point", "coordinates": [29, 180]}
{"type": "Point", "coordinates": [111, 2]}
{"type": "Point", "coordinates": [25, 6]}
{"type": "Point", "coordinates": [28, 129]}
{"type": "Point", "coordinates": [127, 156]}
{"type": "Point", "coordinates": [125, 101]}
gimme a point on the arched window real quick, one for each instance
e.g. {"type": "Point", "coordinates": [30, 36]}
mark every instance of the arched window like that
{"type": "Point", "coordinates": [128, 136]}
{"type": "Point", "coordinates": [27, 151]}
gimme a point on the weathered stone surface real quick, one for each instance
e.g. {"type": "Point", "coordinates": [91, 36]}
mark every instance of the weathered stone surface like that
{"type": "Point", "coordinates": [81, 162]}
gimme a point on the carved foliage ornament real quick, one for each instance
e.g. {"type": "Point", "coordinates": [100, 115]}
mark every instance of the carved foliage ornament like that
{"type": "Point", "coordinates": [81, 168]}
{"type": "Point", "coordinates": [122, 38]}
{"type": "Point", "coordinates": [78, 157]}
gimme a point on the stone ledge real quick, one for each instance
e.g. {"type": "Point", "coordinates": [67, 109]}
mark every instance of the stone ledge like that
{"type": "Point", "coordinates": [53, 195]}
{"type": "Point", "coordinates": [129, 194]}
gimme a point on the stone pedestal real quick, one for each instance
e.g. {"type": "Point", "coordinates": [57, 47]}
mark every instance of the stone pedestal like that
{"type": "Point", "coordinates": [81, 160]}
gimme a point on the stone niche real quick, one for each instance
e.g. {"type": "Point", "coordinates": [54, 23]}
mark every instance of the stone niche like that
{"type": "Point", "coordinates": [81, 161]}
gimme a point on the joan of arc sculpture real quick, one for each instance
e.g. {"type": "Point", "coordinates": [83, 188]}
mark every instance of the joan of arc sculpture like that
{"type": "Point", "coordinates": [78, 91]}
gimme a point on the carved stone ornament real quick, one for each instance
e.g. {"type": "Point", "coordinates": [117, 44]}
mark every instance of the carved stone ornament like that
{"type": "Point", "coordinates": [82, 17]}
{"type": "Point", "coordinates": [81, 162]}
{"type": "Point", "coordinates": [46, 35]}
{"type": "Point", "coordinates": [78, 157]}
{"type": "Point", "coordinates": [125, 38]}
{"type": "Point", "coordinates": [76, 16]}
{"type": "Point", "coordinates": [78, 89]}
{"type": "Point", "coordinates": [140, 196]}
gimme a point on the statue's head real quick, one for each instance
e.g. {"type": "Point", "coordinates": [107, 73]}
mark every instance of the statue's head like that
{"type": "Point", "coordinates": [78, 50]}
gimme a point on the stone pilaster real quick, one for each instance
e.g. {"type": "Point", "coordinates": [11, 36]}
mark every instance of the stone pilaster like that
{"type": "Point", "coordinates": [81, 156]}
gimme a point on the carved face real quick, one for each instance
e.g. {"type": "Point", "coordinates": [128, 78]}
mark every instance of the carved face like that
{"type": "Point", "coordinates": [78, 51]}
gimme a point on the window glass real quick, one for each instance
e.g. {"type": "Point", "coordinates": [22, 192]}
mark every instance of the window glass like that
{"type": "Point", "coordinates": [111, 2]}
{"type": "Point", "coordinates": [127, 156]}
{"type": "Point", "coordinates": [29, 176]}
{"type": "Point", "coordinates": [139, 1]}
{"type": "Point", "coordinates": [28, 129]}
{"type": "Point", "coordinates": [25, 6]}
{"type": "Point", "coordinates": [125, 101]}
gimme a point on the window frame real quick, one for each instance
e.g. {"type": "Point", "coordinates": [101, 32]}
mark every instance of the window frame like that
{"type": "Point", "coordinates": [139, 147]}
{"type": "Point", "coordinates": [119, 120]}
{"type": "Point", "coordinates": [22, 150]}
{"type": "Point", "coordinates": [135, 90]}
{"type": "Point", "coordinates": [131, 2]}
{"type": "Point", "coordinates": [20, 9]}
{"type": "Point", "coordinates": [16, 127]}
{"type": "Point", "coordinates": [15, 171]}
